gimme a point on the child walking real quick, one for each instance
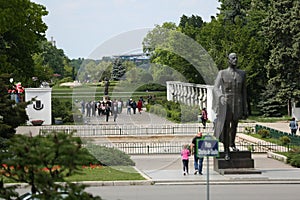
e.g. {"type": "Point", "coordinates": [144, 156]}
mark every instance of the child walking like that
{"type": "Point", "coordinates": [185, 153]}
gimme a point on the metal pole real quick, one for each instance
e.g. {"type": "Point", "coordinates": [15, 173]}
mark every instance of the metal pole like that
{"type": "Point", "coordinates": [207, 179]}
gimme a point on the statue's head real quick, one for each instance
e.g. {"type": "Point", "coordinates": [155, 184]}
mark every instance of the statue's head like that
{"type": "Point", "coordinates": [232, 59]}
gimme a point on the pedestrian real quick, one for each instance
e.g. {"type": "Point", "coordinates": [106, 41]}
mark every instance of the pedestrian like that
{"type": "Point", "coordinates": [140, 105]}
{"type": "Point", "coordinates": [133, 105]}
{"type": "Point", "coordinates": [82, 106]}
{"type": "Point", "coordinates": [198, 162]}
{"type": "Point", "coordinates": [128, 105]}
{"type": "Point", "coordinates": [185, 153]}
{"type": "Point", "coordinates": [93, 108]}
{"type": "Point", "coordinates": [99, 108]}
{"type": "Point", "coordinates": [120, 106]}
{"type": "Point", "coordinates": [293, 126]}
{"type": "Point", "coordinates": [107, 111]}
{"type": "Point", "coordinates": [88, 107]}
{"type": "Point", "coordinates": [204, 117]}
{"type": "Point", "coordinates": [115, 109]}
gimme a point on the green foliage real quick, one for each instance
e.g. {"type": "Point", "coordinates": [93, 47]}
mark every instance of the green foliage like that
{"type": "Point", "coordinates": [285, 140]}
{"type": "Point", "coordinates": [62, 109]}
{"type": "Point", "coordinates": [106, 173]}
{"type": "Point", "coordinates": [282, 33]}
{"type": "Point", "coordinates": [21, 30]}
{"type": "Point", "coordinates": [152, 87]}
{"type": "Point", "coordinates": [264, 133]}
{"type": "Point", "coordinates": [294, 157]}
{"type": "Point", "coordinates": [269, 105]}
{"type": "Point", "coordinates": [42, 161]}
{"type": "Point", "coordinates": [12, 114]}
{"type": "Point", "coordinates": [65, 80]}
{"type": "Point", "coordinates": [118, 70]}
{"type": "Point", "coordinates": [109, 156]}
{"type": "Point", "coordinates": [174, 111]}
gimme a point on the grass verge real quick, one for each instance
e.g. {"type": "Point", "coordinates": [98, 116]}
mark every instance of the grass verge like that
{"type": "Point", "coordinates": [104, 173]}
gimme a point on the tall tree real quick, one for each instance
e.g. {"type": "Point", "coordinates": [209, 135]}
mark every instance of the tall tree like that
{"type": "Point", "coordinates": [282, 32]}
{"type": "Point", "coordinates": [168, 45]}
{"type": "Point", "coordinates": [118, 70]}
{"type": "Point", "coordinates": [21, 29]}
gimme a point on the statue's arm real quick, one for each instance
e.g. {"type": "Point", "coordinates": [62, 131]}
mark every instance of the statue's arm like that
{"type": "Point", "coordinates": [217, 92]}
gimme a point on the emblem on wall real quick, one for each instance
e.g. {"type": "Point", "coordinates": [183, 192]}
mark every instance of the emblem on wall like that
{"type": "Point", "coordinates": [38, 105]}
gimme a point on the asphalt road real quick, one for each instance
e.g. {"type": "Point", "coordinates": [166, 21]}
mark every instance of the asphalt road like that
{"type": "Point", "coordinates": [194, 192]}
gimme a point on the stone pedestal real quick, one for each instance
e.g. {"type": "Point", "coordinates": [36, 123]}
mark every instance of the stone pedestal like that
{"type": "Point", "coordinates": [240, 162]}
{"type": "Point", "coordinates": [40, 109]}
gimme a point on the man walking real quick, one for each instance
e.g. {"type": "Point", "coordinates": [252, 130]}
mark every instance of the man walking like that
{"type": "Point", "coordinates": [198, 162]}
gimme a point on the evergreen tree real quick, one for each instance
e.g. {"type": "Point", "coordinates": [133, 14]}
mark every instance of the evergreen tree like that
{"type": "Point", "coordinates": [12, 114]}
{"type": "Point", "coordinates": [118, 70]}
{"type": "Point", "coordinates": [282, 31]}
{"type": "Point", "coordinates": [268, 105]}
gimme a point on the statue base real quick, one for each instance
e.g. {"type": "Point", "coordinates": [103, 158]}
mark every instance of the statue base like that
{"type": "Point", "coordinates": [240, 162]}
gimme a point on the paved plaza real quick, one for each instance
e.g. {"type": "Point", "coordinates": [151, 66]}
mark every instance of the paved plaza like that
{"type": "Point", "coordinates": [167, 168]}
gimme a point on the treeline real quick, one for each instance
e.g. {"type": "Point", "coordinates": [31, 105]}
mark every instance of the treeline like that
{"type": "Point", "coordinates": [264, 33]}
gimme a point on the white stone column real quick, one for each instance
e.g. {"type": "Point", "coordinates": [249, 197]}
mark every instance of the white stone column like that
{"type": "Point", "coordinates": [170, 88]}
{"type": "Point", "coordinates": [211, 114]}
{"type": "Point", "coordinates": [40, 109]}
{"type": "Point", "coordinates": [295, 111]}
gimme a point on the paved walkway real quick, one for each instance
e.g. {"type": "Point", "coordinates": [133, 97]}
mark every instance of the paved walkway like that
{"type": "Point", "coordinates": [167, 169]}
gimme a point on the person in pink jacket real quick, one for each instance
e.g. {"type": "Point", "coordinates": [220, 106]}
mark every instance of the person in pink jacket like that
{"type": "Point", "coordinates": [185, 153]}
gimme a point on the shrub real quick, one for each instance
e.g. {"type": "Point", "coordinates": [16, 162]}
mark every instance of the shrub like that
{"type": "Point", "coordinates": [108, 156]}
{"type": "Point", "coordinates": [152, 87]}
{"type": "Point", "coordinates": [264, 133]}
{"type": "Point", "coordinates": [62, 109]}
{"type": "Point", "coordinates": [285, 140]}
{"type": "Point", "coordinates": [174, 111]}
{"type": "Point", "coordinates": [294, 157]}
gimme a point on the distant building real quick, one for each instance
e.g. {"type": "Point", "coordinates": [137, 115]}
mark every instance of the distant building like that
{"type": "Point", "coordinates": [138, 58]}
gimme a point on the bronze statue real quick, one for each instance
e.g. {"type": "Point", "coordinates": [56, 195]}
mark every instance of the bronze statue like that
{"type": "Point", "coordinates": [230, 103]}
{"type": "Point", "coordinates": [106, 85]}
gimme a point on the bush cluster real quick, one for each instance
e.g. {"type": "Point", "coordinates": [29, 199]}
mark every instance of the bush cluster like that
{"type": "Point", "coordinates": [285, 140]}
{"type": "Point", "coordinates": [264, 133]}
{"type": "Point", "coordinates": [152, 87]}
{"type": "Point", "coordinates": [174, 111]}
{"type": "Point", "coordinates": [294, 157]}
{"type": "Point", "coordinates": [63, 109]}
{"type": "Point", "coordinates": [106, 156]}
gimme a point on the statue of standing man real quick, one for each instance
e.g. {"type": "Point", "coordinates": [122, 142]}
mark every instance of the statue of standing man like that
{"type": "Point", "coordinates": [230, 103]}
{"type": "Point", "coordinates": [106, 85]}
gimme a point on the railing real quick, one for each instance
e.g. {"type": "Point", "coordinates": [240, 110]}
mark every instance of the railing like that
{"type": "Point", "coordinates": [295, 139]}
{"type": "Point", "coordinates": [133, 148]}
{"type": "Point", "coordinates": [154, 147]}
{"type": "Point", "coordinates": [129, 130]}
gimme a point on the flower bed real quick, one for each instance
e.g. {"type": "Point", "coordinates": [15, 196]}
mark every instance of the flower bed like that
{"type": "Point", "coordinates": [37, 122]}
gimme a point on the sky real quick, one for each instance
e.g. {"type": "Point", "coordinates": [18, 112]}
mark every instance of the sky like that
{"type": "Point", "coordinates": [97, 28]}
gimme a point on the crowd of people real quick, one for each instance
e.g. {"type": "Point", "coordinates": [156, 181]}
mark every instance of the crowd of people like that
{"type": "Point", "coordinates": [109, 107]}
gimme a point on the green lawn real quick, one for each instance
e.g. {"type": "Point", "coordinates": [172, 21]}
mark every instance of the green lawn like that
{"type": "Point", "coordinates": [117, 173]}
